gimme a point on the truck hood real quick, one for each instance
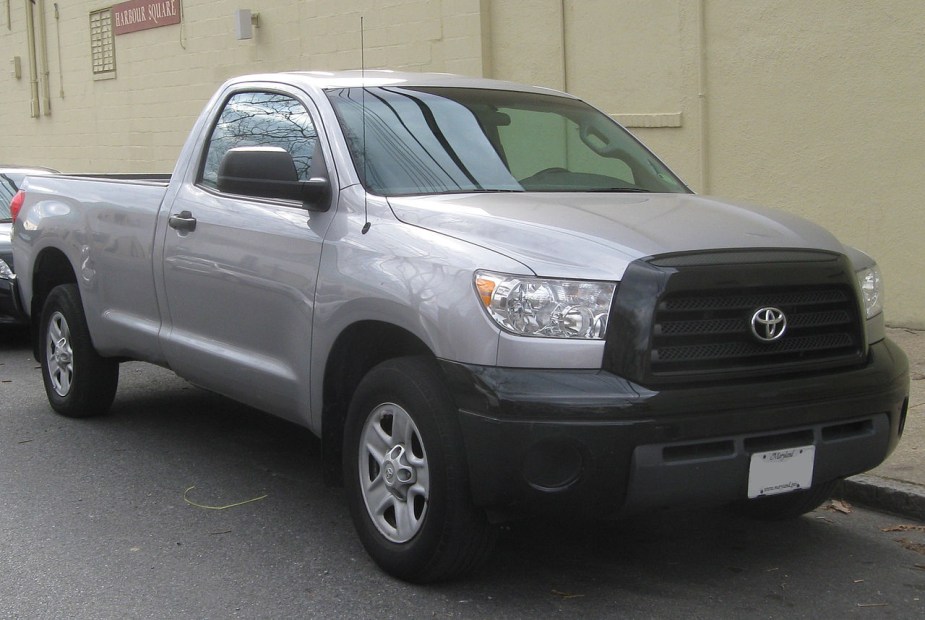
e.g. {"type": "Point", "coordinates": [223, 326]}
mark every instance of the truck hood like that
{"type": "Point", "coordinates": [595, 236]}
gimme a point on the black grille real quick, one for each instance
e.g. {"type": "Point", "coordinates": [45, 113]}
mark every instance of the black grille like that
{"type": "Point", "coordinates": [697, 333]}
{"type": "Point", "coordinates": [688, 317]}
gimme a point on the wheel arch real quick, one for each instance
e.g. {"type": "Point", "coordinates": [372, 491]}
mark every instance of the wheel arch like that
{"type": "Point", "coordinates": [51, 268]}
{"type": "Point", "coordinates": [360, 347]}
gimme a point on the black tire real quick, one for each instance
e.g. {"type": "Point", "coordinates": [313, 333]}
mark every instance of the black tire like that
{"type": "Point", "coordinates": [410, 498]}
{"type": "Point", "coordinates": [787, 505]}
{"type": "Point", "coordinates": [79, 383]}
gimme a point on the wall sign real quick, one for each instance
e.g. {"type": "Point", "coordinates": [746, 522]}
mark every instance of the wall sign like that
{"type": "Point", "coordinates": [136, 15]}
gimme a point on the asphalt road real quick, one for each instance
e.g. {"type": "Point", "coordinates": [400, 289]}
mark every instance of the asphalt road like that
{"type": "Point", "coordinates": [108, 518]}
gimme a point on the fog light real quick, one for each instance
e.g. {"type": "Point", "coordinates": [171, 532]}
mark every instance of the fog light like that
{"type": "Point", "coordinates": [552, 465]}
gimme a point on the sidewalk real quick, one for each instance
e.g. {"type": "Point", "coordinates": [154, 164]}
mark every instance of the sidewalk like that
{"type": "Point", "coordinates": [898, 485]}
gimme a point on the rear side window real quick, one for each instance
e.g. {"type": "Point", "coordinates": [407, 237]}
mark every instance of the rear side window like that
{"type": "Point", "coordinates": [261, 119]}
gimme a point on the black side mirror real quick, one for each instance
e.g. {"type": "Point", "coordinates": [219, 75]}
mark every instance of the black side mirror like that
{"type": "Point", "coordinates": [269, 172]}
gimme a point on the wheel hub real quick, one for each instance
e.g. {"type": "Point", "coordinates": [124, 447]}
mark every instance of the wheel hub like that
{"type": "Point", "coordinates": [62, 353]}
{"type": "Point", "coordinates": [397, 473]}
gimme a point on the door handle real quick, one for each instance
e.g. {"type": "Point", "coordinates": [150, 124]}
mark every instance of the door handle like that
{"type": "Point", "coordinates": [183, 220]}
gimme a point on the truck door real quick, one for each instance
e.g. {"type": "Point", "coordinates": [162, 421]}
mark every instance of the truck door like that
{"type": "Point", "coordinates": [239, 272]}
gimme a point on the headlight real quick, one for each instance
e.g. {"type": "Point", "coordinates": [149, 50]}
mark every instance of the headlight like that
{"type": "Point", "coordinates": [5, 272]}
{"type": "Point", "coordinates": [871, 285]}
{"type": "Point", "coordinates": [544, 307]}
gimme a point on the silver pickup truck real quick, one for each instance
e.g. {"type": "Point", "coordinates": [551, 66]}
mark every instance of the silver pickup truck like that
{"type": "Point", "coordinates": [487, 299]}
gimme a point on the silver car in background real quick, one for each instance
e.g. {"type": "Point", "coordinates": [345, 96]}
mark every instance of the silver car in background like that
{"type": "Point", "coordinates": [11, 178]}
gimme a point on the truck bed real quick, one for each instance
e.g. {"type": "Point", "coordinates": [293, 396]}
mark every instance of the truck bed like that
{"type": "Point", "coordinates": [118, 214]}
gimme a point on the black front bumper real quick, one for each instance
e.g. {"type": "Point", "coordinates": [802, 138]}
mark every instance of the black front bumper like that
{"type": "Point", "coordinates": [593, 444]}
{"type": "Point", "coordinates": [10, 307]}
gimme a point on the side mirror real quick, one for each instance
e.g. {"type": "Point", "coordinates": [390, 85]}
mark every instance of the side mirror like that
{"type": "Point", "coordinates": [269, 172]}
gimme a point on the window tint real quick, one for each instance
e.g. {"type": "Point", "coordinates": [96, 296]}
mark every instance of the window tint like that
{"type": "Point", "coordinates": [262, 119]}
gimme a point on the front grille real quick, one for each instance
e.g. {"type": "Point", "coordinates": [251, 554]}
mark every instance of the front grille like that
{"type": "Point", "coordinates": [696, 333]}
{"type": "Point", "coordinates": [687, 317]}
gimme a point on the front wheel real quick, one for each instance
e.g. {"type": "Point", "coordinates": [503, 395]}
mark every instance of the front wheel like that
{"type": "Point", "coordinates": [406, 477]}
{"type": "Point", "coordinates": [78, 381]}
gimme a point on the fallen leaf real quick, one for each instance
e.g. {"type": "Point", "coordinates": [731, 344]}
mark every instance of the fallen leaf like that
{"type": "Point", "coordinates": [839, 505]}
{"type": "Point", "coordinates": [911, 545]}
{"type": "Point", "coordinates": [904, 528]}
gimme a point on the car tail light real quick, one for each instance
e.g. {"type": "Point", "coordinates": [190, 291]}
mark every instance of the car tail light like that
{"type": "Point", "coordinates": [16, 204]}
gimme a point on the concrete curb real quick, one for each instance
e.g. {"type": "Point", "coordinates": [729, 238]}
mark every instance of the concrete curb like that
{"type": "Point", "coordinates": [902, 498]}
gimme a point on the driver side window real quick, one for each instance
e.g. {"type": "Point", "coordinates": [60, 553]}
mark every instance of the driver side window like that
{"type": "Point", "coordinates": [261, 119]}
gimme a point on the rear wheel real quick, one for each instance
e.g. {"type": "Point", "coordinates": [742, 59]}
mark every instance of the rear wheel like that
{"type": "Point", "coordinates": [406, 476]}
{"type": "Point", "coordinates": [786, 505]}
{"type": "Point", "coordinates": [78, 381]}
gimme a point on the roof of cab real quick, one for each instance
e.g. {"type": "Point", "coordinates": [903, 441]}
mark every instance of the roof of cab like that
{"type": "Point", "coordinates": [379, 77]}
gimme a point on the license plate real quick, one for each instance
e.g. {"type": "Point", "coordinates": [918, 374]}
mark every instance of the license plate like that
{"type": "Point", "coordinates": [781, 471]}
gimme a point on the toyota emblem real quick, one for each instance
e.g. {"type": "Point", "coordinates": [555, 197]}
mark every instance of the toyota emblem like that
{"type": "Point", "coordinates": [769, 324]}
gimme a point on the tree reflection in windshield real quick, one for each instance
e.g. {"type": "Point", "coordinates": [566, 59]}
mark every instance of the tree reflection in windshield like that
{"type": "Point", "coordinates": [418, 143]}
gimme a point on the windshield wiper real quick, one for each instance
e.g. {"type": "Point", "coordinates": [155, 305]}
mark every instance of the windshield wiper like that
{"type": "Point", "coordinates": [617, 189]}
{"type": "Point", "coordinates": [484, 190]}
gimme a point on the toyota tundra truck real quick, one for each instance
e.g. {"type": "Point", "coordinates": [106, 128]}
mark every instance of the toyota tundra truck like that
{"type": "Point", "coordinates": [488, 300]}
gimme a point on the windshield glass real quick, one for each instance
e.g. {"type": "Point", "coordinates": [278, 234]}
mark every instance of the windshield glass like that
{"type": "Point", "coordinates": [442, 140]}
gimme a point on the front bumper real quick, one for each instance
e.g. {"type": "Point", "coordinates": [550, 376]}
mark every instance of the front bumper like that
{"type": "Point", "coordinates": [594, 444]}
{"type": "Point", "coordinates": [10, 307]}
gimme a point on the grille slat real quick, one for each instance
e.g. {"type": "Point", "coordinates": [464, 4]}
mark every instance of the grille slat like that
{"type": "Point", "coordinates": [733, 302]}
{"type": "Point", "coordinates": [717, 327]}
{"type": "Point", "coordinates": [741, 350]}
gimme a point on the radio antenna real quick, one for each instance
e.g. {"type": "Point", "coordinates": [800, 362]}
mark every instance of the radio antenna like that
{"type": "Point", "coordinates": [366, 225]}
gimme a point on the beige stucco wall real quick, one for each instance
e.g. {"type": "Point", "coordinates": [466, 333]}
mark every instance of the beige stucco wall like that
{"type": "Point", "coordinates": [813, 107]}
{"type": "Point", "coordinates": [138, 121]}
{"type": "Point", "coordinates": [817, 107]}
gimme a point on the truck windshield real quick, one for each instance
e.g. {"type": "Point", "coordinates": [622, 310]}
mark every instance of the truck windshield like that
{"type": "Point", "coordinates": [449, 140]}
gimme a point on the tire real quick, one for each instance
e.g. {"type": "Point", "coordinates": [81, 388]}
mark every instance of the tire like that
{"type": "Point", "coordinates": [406, 476]}
{"type": "Point", "coordinates": [78, 382]}
{"type": "Point", "coordinates": [787, 505]}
